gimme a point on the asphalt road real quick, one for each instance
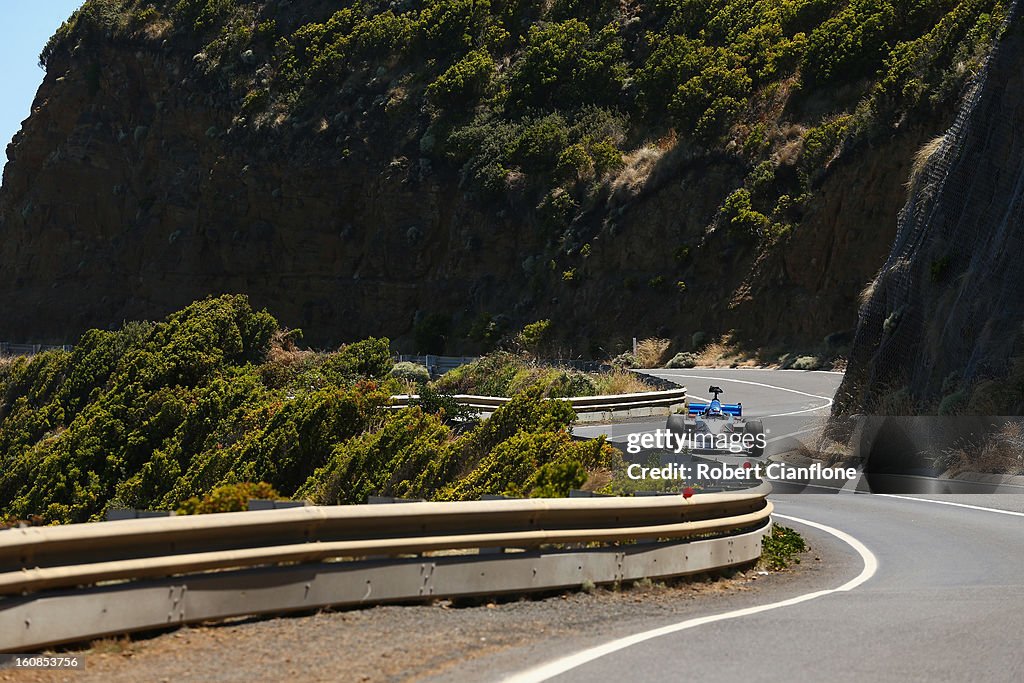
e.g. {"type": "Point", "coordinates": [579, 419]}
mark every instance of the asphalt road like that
{"type": "Point", "coordinates": [930, 588]}
{"type": "Point", "coordinates": [945, 604]}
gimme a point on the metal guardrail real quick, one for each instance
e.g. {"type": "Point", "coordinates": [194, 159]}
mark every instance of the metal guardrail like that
{"type": "Point", "coordinates": [588, 408]}
{"type": "Point", "coordinates": [438, 365]}
{"type": "Point", "coordinates": [9, 349]}
{"type": "Point", "coordinates": [76, 582]}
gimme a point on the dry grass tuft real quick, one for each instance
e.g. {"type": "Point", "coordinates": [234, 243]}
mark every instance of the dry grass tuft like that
{"type": "Point", "coordinates": [621, 381]}
{"type": "Point", "coordinates": [1001, 453]}
{"type": "Point", "coordinates": [868, 291]}
{"type": "Point", "coordinates": [113, 645]}
{"type": "Point", "coordinates": [723, 352]}
{"type": "Point", "coordinates": [817, 445]}
{"type": "Point", "coordinates": [921, 159]}
{"type": "Point", "coordinates": [637, 167]}
{"type": "Point", "coordinates": [597, 479]}
{"type": "Point", "coordinates": [650, 353]}
{"type": "Point", "coordinates": [283, 351]}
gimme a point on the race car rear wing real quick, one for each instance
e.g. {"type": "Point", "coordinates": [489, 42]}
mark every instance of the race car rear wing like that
{"type": "Point", "coordinates": [734, 409]}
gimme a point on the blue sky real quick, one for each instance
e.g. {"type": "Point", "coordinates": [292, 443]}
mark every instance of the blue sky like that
{"type": "Point", "coordinates": [25, 26]}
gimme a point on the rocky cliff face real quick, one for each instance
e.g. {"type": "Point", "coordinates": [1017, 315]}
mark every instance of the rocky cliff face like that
{"type": "Point", "coordinates": [134, 188]}
{"type": "Point", "coordinates": [941, 330]}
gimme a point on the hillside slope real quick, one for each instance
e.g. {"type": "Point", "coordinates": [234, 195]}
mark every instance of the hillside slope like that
{"type": "Point", "coordinates": [444, 171]}
{"type": "Point", "coordinates": [941, 331]}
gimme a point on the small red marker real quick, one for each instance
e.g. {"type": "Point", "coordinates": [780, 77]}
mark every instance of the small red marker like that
{"type": "Point", "coordinates": [747, 465]}
{"type": "Point", "coordinates": [688, 492]}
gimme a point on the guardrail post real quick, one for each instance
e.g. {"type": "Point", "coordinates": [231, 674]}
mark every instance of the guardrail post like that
{"type": "Point", "coordinates": [387, 500]}
{"type": "Point", "coordinates": [129, 513]}
{"type": "Point", "coordinates": [267, 504]}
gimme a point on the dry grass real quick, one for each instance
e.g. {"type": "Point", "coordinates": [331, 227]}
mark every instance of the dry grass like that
{"type": "Point", "coordinates": [283, 351]}
{"type": "Point", "coordinates": [724, 352]}
{"type": "Point", "coordinates": [868, 291]}
{"type": "Point", "coordinates": [597, 479]}
{"type": "Point", "coordinates": [621, 381]}
{"type": "Point", "coordinates": [637, 168]}
{"type": "Point", "coordinates": [818, 446]}
{"type": "Point", "coordinates": [667, 142]}
{"type": "Point", "coordinates": [407, 387]}
{"type": "Point", "coordinates": [650, 353]}
{"type": "Point", "coordinates": [894, 399]}
{"type": "Point", "coordinates": [1002, 453]}
{"type": "Point", "coordinates": [921, 159]}
{"type": "Point", "coordinates": [158, 29]}
{"type": "Point", "coordinates": [114, 645]}
{"type": "Point", "coordinates": [789, 142]}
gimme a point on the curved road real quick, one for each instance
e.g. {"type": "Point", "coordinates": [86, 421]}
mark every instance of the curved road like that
{"type": "Point", "coordinates": [792, 404]}
{"type": "Point", "coordinates": [931, 588]}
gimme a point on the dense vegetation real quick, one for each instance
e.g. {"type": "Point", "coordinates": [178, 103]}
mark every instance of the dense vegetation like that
{"type": "Point", "coordinates": [508, 374]}
{"type": "Point", "coordinates": [566, 102]}
{"type": "Point", "coordinates": [159, 415]}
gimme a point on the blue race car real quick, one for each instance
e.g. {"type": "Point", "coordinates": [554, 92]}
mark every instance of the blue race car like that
{"type": "Point", "coordinates": [717, 426]}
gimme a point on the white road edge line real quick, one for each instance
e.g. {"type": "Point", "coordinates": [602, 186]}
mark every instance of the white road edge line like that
{"type": "Point", "coordinates": [559, 666]}
{"type": "Point", "coordinates": [949, 502]}
{"type": "Point", "coordinates": [797, 412]}
{"type": "Point", "coordinates": [767, 386]}
{"type": "Point", "coordinates": [786, 436]}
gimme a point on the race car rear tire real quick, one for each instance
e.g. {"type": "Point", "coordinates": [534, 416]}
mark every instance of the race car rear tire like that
{"type": "Point", "coordinates": [676, 424]}
{"type": "Point", "coordinates": [755, 428]}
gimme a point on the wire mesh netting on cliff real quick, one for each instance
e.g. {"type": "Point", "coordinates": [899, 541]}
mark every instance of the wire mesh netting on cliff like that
{"type": "Point", "coordinates": [946, 308]}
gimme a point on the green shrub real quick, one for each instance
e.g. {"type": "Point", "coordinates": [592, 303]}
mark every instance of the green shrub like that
{"type": "Point", "coordinates": [954, 403]}
{"type": "Point", "coordinates": [369, 358]}
{"type": "Point", "coordinates": [154, 414]}
{"type": "Point", "coordinates": [410, 372]}
{"type": "Point", "coordinates": [566, 65]}
{"type": "Point", "coordinates": [625, 360]}
{"type": "Point", "coordinates": [557, 209]}
{"type": "Point", "coordinates": [535, 337]}
{"type": "Point", "coordinates": [606, 157]}
{"type": "Point", "coordinates": [385, 462]}
{"type": "Point", "coordinates": [555, 480]}
{"type": "Point", "coordinates": [703, 86]}
{"type": "Point", "coordinates": [849, 44]}
{"type": "Point", "coordinates": [741, 217]}
{"type": "Point", "coordinates": [541, 462]}
{"type": "Point", "coordinates": [178, 414]}
{"type": "Point", "coordinates": [781, 547]}
{"type": "Point", "coordinates": [806, 363]}
{"type": "Point", "coordinates": [229, 498]}
{"type": "Point", "coordinates": [448, 26]}
{"type": "Point", "coordinates": [463, 82]}
{"type": "Point", "coordinates": [683, 360]}
{"type": "Point", "coordinates": [444, 405]}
